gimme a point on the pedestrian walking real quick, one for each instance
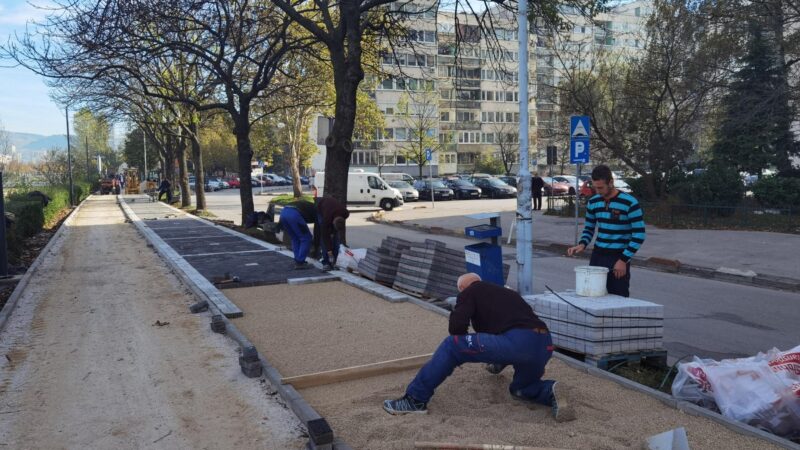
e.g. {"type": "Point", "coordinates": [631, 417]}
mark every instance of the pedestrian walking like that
{"type": "Point", "coordinates": [619, 221]}
{"type": "Point", "coordinates": [537, 184]}
{"type": "Point", "coordinates": [507, 332]}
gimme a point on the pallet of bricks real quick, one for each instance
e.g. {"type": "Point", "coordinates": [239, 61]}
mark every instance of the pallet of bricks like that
{"type": "Point", "coordinates": [380, 263]}
{"type": "Point", "coordinates": [429, 269]}
{"type": "Point", "coordinates": [605, 330]}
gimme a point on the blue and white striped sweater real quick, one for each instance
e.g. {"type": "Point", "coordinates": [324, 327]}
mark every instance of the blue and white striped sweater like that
{"type": "Point", "coordinates": [619, 223]}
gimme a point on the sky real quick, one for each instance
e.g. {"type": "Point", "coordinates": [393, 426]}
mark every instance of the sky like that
{"type": "Point", "coordinates": [25, 105]}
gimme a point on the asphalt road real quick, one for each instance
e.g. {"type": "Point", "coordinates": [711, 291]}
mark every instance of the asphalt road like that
{"type": "Point", "coordinates": [710, 319]}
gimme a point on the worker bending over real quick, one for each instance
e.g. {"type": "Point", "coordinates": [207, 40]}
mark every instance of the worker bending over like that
{"type": "Point", "coordinates": [507, 332]}
{"type": "Point", "coordinates": [620, 231]}
{"type": "Point", "coordinates": [331, 217]}
{"type": "Point", "coordinates": [295, 218]}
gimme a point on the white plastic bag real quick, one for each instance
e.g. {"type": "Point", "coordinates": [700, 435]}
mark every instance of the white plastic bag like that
{"type": "Point", "coordinates": [349, 257]}
{"type": "Point", "coordinates": [763, 390]}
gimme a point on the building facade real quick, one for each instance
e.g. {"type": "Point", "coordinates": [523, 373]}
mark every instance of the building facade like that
{"type": "Point", "coordinates": [456, 90]}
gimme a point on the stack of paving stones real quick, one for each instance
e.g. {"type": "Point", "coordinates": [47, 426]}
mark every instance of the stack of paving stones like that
{"type": "Point", "coordinates": [601, 325]}
{"type": "Point", "coordinates": [381, 263]}
{"type": "Point", "coordinates": [430, 269]}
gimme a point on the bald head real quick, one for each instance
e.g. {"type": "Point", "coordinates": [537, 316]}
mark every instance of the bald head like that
{"type": "Point", "coordinates": [464, 281]}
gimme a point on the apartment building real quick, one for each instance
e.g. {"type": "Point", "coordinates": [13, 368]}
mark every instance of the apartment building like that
{"type": "Point", "coordinates": [456, 90]}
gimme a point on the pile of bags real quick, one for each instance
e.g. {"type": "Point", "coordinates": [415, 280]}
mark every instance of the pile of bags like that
{"type": "Point", "coordinates": [763, 390]}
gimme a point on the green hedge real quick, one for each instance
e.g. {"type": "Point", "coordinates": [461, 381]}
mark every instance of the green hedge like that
{"type": "Point", "coordinates": [288, 198]}
{"type": "Point", "coordinates": [717, 186]}
{"type": "Point", "coordinates": [29, 217]}
{"type": "Point", "coordinates": [778, 192]}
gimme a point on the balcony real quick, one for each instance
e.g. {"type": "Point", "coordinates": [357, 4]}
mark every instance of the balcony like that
{"type": "Point", "coordinates": [367, 145]}
{"type": "Point", "coordinates": [460, 104]}
{"type": "Point", "coordinates": [463, 125]}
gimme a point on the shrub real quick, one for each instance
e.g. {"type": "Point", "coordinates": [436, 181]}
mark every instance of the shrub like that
{"type": "Point", "coordinates": [29, 216]}
{"type": "Point", "coordinates": [288, 198]}
{"type": "Point", "coordinates": [778, 192]}
{"type": "Point", "coordinates": [717, 186]}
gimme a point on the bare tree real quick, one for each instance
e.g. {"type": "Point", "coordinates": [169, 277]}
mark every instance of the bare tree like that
{"type": "Point", "coordinates": [507, 139]}
{"type": "Point", "coordinates": [420, 114]}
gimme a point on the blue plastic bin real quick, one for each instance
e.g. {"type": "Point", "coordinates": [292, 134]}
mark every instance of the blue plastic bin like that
{"type": "Point", "coordinates": [486, 260]}
{"type": "Point", "coordinates": [483, 231]}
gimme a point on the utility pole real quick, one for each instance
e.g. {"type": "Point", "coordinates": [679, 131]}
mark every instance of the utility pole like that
{"type": "Point", "coordinates": [69, 163]}
{"type": "Point", "coordinates": [524, 215]}
{"type": "Point", "coordinates": [88, 165]}
{"type": "Point", "coordinates": [144, 141]}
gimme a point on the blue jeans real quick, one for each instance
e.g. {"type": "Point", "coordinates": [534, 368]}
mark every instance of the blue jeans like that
{"type": "Point", "coordinates": [334, 241]}
{"type": "Point", "coordinates": [294, 224]}
{"type": "Point", "coordinates": [527, 350]}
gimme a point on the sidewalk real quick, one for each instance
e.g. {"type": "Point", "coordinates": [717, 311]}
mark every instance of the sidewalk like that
{"type": "Point", "coordinates": [757, 256]}
{"type": "Point", "coordinates": [101, 352]}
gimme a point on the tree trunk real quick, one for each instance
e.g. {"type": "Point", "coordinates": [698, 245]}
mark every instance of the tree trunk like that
{"type": "Point", "coordinates": [244, 151]}
{"type": "Point", "coordinates": [347, 74]}
{"type": "Point", "coordinates": [199, 169]}
{"type": "Point", "coordinates": [169, 169]}
{"type": "Point", "coordinates": [183, 173]}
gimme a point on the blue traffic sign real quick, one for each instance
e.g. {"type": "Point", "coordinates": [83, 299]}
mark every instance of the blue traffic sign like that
{"type": "Point", "coordinates": [428, 154]}
{"type": "Point", "coordinates": [579, 139]}
{"type": "Point", "coordinates": [579, 151]}
{"type": "Point", "coordinates": [579, 127]}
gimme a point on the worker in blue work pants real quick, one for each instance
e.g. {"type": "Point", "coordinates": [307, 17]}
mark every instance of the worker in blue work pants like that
{"type": "Point", "coordinates": [507, 332]}
{"type": "Point", "coordinates": [295, 225]}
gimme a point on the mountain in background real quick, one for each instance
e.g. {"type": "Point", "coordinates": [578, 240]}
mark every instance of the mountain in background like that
{"type": "Point", "coordinates": [30, 146]}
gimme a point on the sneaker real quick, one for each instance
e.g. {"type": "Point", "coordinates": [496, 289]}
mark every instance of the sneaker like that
{"type": "Point", "coordinates": [562, 411]}
{"type": "Point", "coordinates": [405, 405]}
{"type": "Point", "coordinates": [301, 265]}
{"type": "Point", "coordinates": [495, 368]}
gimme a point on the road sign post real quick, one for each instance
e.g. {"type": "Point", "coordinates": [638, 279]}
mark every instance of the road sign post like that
{"type": "Point", "coordinates": [429, 158]}
{"type": "Point", "coordinates": [578, 154]}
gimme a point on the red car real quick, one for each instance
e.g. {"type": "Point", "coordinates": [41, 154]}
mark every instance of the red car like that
{"type": "Point", "coordinates": [586, 189]}
{"type": "Point", "coordinates": [555, 188]}
{"type": "Point", "coordinates": [233, 182]}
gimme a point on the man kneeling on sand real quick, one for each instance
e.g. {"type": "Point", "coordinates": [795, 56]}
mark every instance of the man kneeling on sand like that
{"type": "Point", "coordinates": [507, 332]}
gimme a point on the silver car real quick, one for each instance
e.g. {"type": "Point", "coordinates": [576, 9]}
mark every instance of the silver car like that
{"type": "Point", "coordinates": [406, 190]}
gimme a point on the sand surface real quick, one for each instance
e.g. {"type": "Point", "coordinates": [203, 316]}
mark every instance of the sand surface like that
{"type": "Point", "coordinates": [324, 326]}
{"type": "Point", "coordinates": [84, 366]}
{"type": "Point", "coordinates": [316, 327]}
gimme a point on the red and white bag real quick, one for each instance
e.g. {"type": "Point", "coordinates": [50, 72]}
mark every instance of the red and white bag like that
{"type": "Point", "coordinates": [762, 390]}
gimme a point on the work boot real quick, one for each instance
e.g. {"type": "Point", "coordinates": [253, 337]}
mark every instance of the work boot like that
{"type": "Point", "coordinates": [327, 267]}
{"type": "Point", "coordinates": [562, 411]}
{"type": "Point", "coordinates": [301, 265]}
{"type": "Point", "coordinates": [495, 368]}
{"type": "Point", "coordinates": [405, 405]}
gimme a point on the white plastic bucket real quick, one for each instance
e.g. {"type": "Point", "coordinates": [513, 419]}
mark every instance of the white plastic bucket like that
{"type": "Point", "coordinates": [590, 281]}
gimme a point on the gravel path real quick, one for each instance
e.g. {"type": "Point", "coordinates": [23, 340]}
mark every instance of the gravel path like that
{"type": "Point", "coordinates": [87, 364]}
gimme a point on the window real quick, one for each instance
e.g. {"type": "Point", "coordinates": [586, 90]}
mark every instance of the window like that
{"type": "Point", "coordinates": [637, 12]}
{"type": "Point", "coordinates": [445, 116]}
{"type": "Point", "coordinates": [388, 134]}
{"type": "Point", "coordinates": [386, 159]}
{"type": "Point", "coordinates": [400, 134]}
{"type": "Point", "coordinates": [387, 84]}
{"type": "Point", "coordinates": [466, 158]}
{"type": "Point", "coordinates": [446, 94]}
{"type": "Point", "coordinates": [401, 159]}
{"type": "Point", "coordinates": [509, 96]}
{"type": "Point", "coordinates": [389, 111]}
{"type": "Point", "coordinates": [465, 116]}
{"type": "Point", "coordinates": [374, 183]}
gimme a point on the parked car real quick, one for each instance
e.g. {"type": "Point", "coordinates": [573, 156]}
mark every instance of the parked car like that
{"type": "Point", "coordinates": [440, 190]}
{"type": "Point", "coordinates": [264, 180]}
{"type": "Point", "coordinates": [463, 189]}
{"type": "Point", "coordinates": [234, 182]}
{"type": "Point", "coordinates": [494, 187]}
{"type": "Point", "coordinates": [587, 190]}
{"type": "Point", "coordinates": [213, 183]}
{"type": "Point", "coordinates": [553, 187]}
{"type": "Point", "coordinates": [569, 180]}
{"type": "Point", "coordinates": [398, 176]}
{"type": "Point", "coordinates": [364, 188]}
{"type": "Point", "coordinates": [304, 180]}
{"type": "Point", "coordinates": [509, 180]}
{"type": "Point", "coordinates": [224, 184]}
{"type": "Point", "coordinates": [406, 190]}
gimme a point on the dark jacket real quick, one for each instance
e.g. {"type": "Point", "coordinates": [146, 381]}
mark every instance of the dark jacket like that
{"type": "Point", "coordinates": [537, 184]}
{"type": "Point", "coordinates": [491, 309]}
{"type": "Point", "coordinates": [328, 209]}
{"type": "Point", "coordinates": [306, 209]}
{"type": "Point", "coordinates": [165, 185]}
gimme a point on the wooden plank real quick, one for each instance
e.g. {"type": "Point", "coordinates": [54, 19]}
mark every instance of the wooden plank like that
{"type": "Point", "coordinates": [356, 372]}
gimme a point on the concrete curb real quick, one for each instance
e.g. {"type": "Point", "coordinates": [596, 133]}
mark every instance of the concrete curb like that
{"type": "Point", "coordinates": [11, 304]}
{"type": "Point", "coordinates": [304, 412]}
{"type": "Point", "coordinates": [664, 398]}
{"type": "Point", "coordinates": [652, 263]}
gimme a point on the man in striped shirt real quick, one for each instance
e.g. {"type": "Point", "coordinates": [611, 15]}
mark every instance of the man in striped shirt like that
{"type": "Point", "coordinates": [620, 230]}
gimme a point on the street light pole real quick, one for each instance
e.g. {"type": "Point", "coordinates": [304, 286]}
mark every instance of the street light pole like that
{"type": "Point", "coordinates": [69, 163]}
{"type": "Point", "coordinates": [524, 215]}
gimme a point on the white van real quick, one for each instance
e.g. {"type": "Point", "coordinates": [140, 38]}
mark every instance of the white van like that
{"type": "Point", "coordinates": [364, 188]}
{"type": "Point", "coordinates": [398, 177]}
